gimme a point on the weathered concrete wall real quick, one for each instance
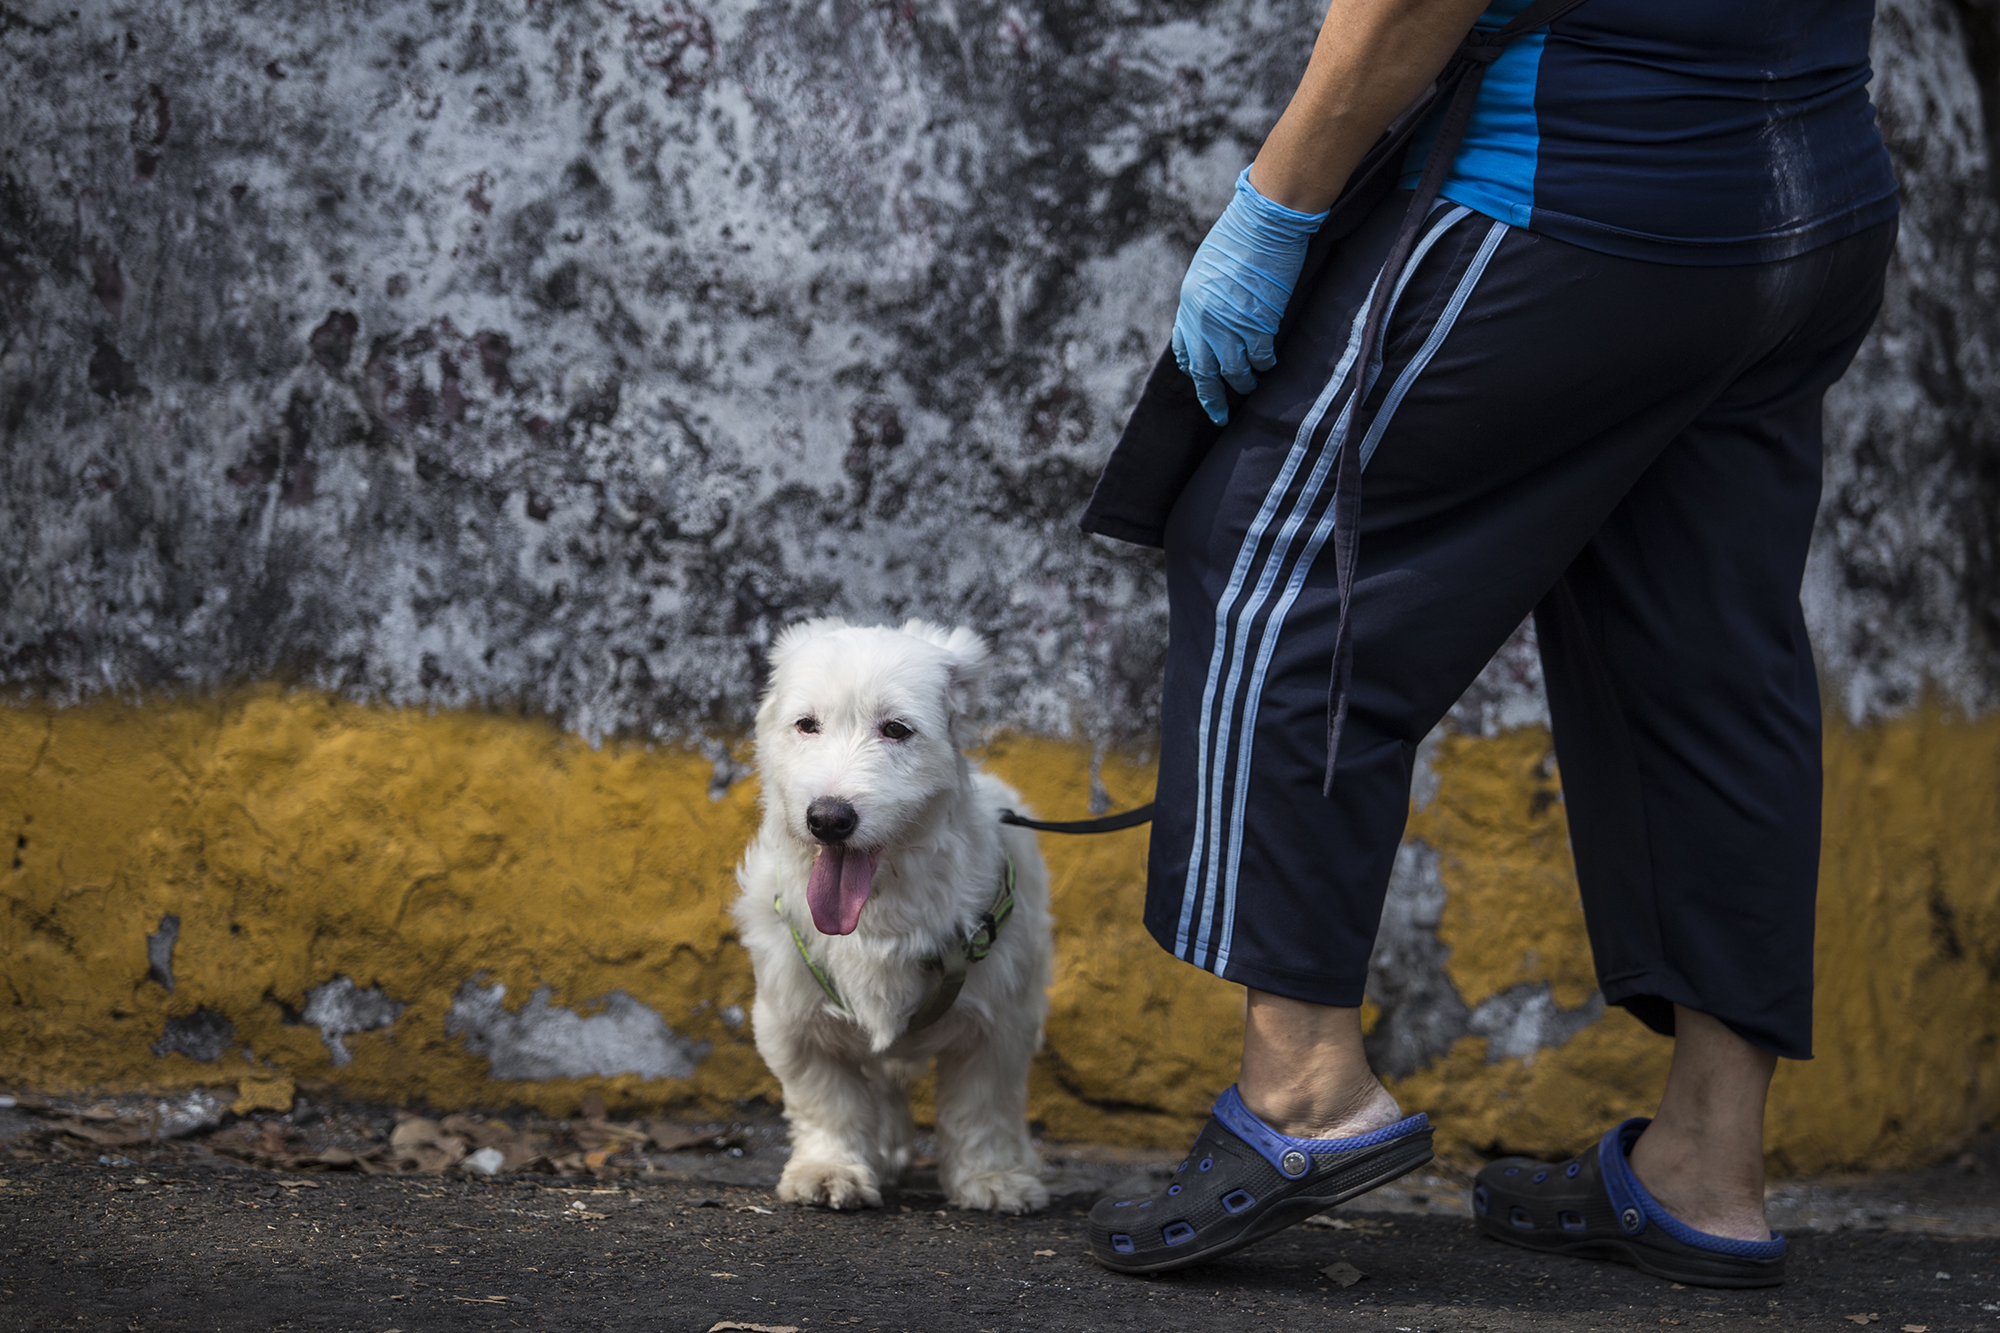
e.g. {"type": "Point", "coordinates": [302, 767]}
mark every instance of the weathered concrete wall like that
{"type": "Point", "coordinates": [504, 374]}
{"type": "Point", "coordinates": [549, 355]}
{"type": "Point", "coordinates": [1903, 594]}
{"type": "Point", "coordinates": [552, 355]}
{"type": "Point", "coordinates": [278, 887]}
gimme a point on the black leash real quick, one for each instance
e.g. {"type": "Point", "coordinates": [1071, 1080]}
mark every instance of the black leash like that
{"type": "Point", "coordinates": [1108, 824]}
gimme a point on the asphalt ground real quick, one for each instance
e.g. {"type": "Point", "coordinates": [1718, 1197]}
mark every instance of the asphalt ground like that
{"type": "Point", "coordinates": [178, 1236]}
{"type": "Point", "coordinates": [213, 1248]}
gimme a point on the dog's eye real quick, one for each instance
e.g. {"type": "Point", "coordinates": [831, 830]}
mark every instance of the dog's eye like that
{"type": "Point", "coordinates": [896, 731]}
{"type": "Point", "coordinates": [809, 725]}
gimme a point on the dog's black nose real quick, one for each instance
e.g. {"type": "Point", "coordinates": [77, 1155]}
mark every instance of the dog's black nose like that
{"type": "Point", "coordinates": [831, 819]}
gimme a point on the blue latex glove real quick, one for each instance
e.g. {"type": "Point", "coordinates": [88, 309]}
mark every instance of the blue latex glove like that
{"type": "Point", "coordinates": [1235, 293]}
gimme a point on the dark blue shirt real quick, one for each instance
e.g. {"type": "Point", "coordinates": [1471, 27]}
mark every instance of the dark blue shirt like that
{"type": "Point", "coordinates": [1686, 131]}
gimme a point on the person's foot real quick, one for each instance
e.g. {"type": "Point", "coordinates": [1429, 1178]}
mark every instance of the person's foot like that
{"type": "Point", "coordinates": [1243, 1181]}
{"type": "Point", "coordinates": [1702, 1157]}
{"type": "Point", "coordinates": [1595, 1206]}
{"type": "Point", "coordinates": [1694, 1190]}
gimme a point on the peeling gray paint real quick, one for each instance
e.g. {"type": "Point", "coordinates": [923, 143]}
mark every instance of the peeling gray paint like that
{"type": "Point", "coordinates": [553, 355]}
{"type": "Point", "coordinates": [1507, 694]}
{"type": "Point", "coordinates": [724, 770]}
{"type": "Point", "coordinates": [202, 1035]}
{"type": "Point", "coordinates": [1524, 1019]}
{"type": "Point", "coordinates": [160, 951]}
{"type": "Point", "coordinates": [1422, 1012]}
{"type": "Point", "coordinates": [339, 1007]}
{"type": "Point", "coordinates": [1903, 591]}
{"type": "Point", "coordinates": [188, 1113]}
{"type": "Point", "coordinates": [544, 1040]}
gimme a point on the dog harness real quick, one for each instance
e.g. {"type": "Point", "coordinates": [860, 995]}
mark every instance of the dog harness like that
{"type": "Point", "coordinates": [950, 966]}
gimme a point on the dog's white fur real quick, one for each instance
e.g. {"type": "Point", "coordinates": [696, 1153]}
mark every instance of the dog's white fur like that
{"type": "Point", "coordinates": [935, 821]}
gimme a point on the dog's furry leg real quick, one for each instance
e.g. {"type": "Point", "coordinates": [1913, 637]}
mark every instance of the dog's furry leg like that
{"type": "Point", "coordinates": [831, 1106]}
{"type": "Point", "coordinates": [985, 1158]}
{"type": "Point", "coordinates": [895, 1129]}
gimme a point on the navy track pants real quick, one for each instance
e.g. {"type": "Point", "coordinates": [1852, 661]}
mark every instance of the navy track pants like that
{"type": "Point", "coordinates": [1628, 450]}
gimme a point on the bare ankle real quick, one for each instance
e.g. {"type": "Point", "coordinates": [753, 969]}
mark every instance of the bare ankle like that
{"type": "Point", "coordinates": [1305, 1073]}
{"type": "Point", "coordinates": [1702, 1158]}
{"type": "Point", "coordinates": [1357, 1109]}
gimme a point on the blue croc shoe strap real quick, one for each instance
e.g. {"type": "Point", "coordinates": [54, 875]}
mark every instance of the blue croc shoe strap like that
{"type": "Point", "coordinates": [1272, 1146]}
{"type": "Point", "coordinates": [1629, 1199]}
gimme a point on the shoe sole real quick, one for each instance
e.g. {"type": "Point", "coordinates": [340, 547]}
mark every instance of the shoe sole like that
{"type": "Point", "coordinates": [1388, 1163]}
{"type": "Point", "coordinates": [1722, 1271]}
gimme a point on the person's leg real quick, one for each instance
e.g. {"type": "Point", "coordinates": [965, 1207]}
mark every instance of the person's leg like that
{"type": "Point", "coordinates": [1686, 717]}
{"type": "Point", "coordinates": [1500, 444]}
{"type": "Point", "coordinates": [1304, 1072]}
{"type": "Point", "coordinates": [1702, 1158]}
{"type": "Point", "coordinates": [1502, 458]}
{"type": "Point", "coordinates": [1680, 1196]}
{"type": "Point", "coordinates": [1519, 400]}
{"type": "Point", "coordinates": [1505, 440]}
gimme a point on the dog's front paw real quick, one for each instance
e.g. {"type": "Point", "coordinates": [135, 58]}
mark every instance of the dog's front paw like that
{"type": "Point", "coordinates": [832, 1184]}
{"type": "Point", "coordinates": [1000, 1192]}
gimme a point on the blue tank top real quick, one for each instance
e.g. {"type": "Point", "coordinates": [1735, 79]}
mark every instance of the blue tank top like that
{"type": "Point", "coordinates": [1683, 131]}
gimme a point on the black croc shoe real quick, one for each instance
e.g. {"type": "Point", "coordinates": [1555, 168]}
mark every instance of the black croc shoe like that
{"type": "Point", "coordinates": [1595, 1208]}
{"type": "Point", "coordinates": [1241, 1182]}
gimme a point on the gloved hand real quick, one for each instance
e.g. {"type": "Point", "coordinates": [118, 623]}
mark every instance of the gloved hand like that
{"type": "Point", "coordinates": [1235, 293]}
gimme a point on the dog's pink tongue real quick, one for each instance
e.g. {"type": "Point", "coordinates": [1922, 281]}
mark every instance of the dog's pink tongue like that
{"type": "Point", "coordinates": [839, 888]}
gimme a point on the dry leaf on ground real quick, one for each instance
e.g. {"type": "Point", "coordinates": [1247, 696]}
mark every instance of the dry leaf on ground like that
{"type": "Point", "coordinates": [1343, 1274]}
{"type": "Point", "coordinates": [117, 1136]}
{"type": "Point", "coordinates": [603, 1134]}
{"type": "Point", "coordinates": [422, 1145]}
{"type": "Point", "coordinates": [669, 1137]}
{"type": "Point", "coordinates": [1862, 1318]}
{"type": "Point", "coordinates": [592, 1146]}
{"type": "Point", "coordinates": [482, 1133]}
{"type": "Point", "coordinates": [724, 1325]}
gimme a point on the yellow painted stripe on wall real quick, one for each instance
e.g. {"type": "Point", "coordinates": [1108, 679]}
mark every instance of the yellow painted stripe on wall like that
{"type": "Point", "coordinates": [300, 838]}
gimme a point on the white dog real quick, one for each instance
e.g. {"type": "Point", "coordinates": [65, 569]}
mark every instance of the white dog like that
{"type": "Point", "coordinates": [866, 893]}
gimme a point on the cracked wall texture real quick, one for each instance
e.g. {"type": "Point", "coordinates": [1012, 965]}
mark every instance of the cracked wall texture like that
{"type": "Point", "coordinates": [542, 359]}
{"type": "Point", "coordinates": [551, 355]}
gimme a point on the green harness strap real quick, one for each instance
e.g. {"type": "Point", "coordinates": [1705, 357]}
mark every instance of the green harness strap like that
{"type": "Point", "coordinates": [950, 968]}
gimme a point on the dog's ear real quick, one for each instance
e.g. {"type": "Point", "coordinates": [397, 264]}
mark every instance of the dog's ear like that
{"type": "Point", "coordinates": [967, 655]}
{"type": "Point", "coordinates": [790, 639]}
